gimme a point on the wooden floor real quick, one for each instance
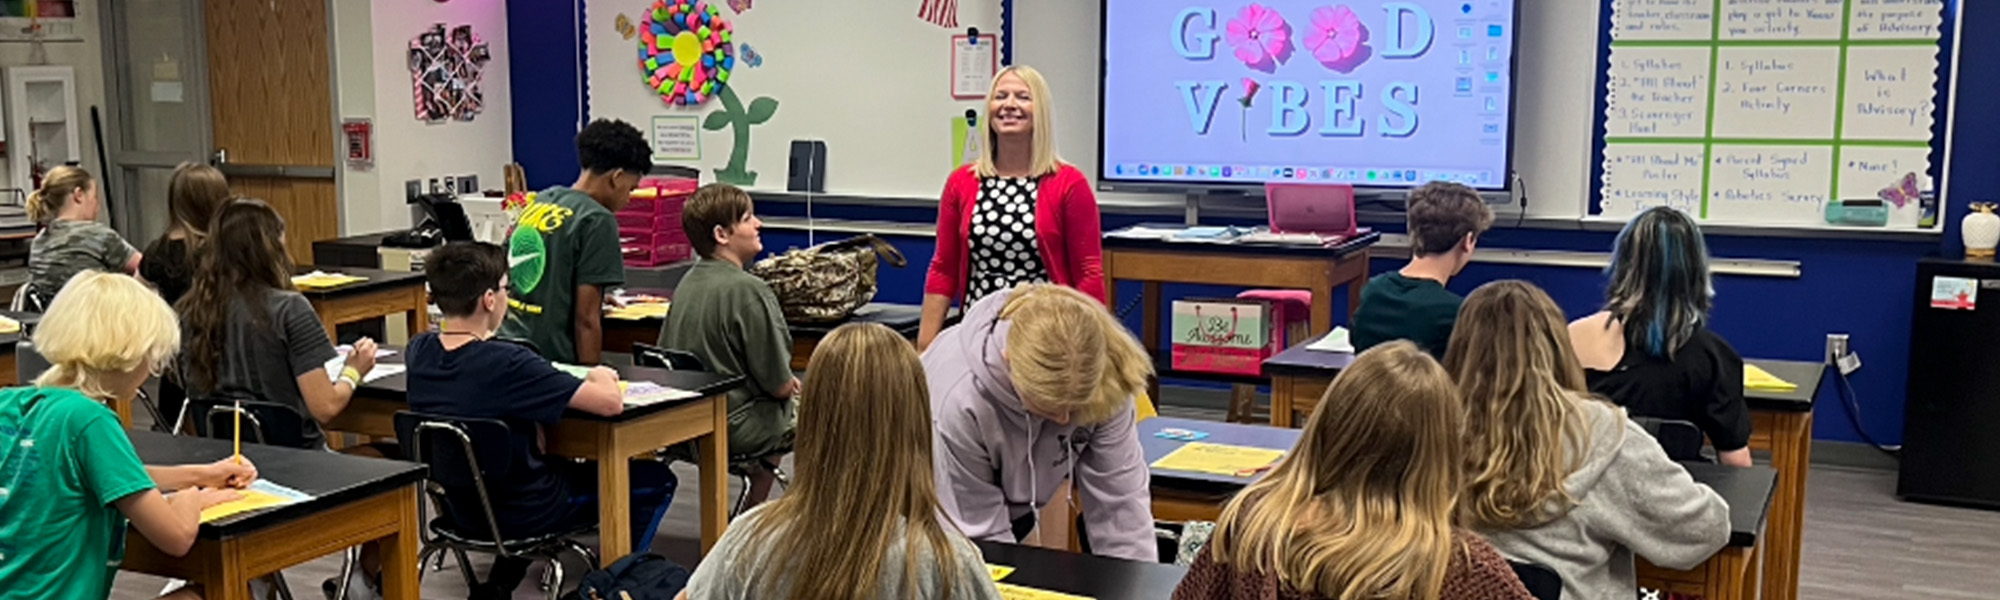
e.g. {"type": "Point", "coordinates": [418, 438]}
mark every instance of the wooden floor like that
{"type": "Point", "coordinates": [1861, 543]}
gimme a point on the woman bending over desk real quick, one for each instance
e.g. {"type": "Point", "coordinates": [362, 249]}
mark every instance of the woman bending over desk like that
{"type": "Point", "coordinates": [249, 334]}
{"type": "Point", "coordinates": [1650, 349]}
{"type": "Point", "coordinates": [1363, 508]}
{"type": "Point", "coordinates": [72, 477]}
{"type": "Point", "coordinates": [1556, 477]}
{"type": "Point", "coordinates": [1018, 214]}
{"type": "Point", "coordinates": [1035, 387]}
{"type": "Point", "coordinates": [831, 536]}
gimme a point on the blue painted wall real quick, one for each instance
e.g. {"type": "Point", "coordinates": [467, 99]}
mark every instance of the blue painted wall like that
{"type": "Point", "coordinates": [1862, 288]}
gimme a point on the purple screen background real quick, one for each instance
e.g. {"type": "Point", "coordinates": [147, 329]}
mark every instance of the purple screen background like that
{"type": "Point", "coordinates": [1146, 116]}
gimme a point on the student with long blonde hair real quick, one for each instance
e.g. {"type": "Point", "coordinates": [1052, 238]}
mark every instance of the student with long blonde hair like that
{"type": "Point", "coordinates": [1363, 506]}
{"type": "Point", "coordinates": [1035, 387]}
{"type": "Point", "coordinates": [1556, 477]}
{"type": "Point", "coordinates": [1018, 214]}
{"type": "Point", "coordinates": [863, 518]}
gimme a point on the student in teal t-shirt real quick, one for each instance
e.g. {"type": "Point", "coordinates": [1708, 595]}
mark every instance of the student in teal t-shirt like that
{"type": "Point", "coordinates": [564, 250]}
{"type": "Point", "coordinates": [1445, 221]}
{"type": "Point", "coordinates": [69, 478]}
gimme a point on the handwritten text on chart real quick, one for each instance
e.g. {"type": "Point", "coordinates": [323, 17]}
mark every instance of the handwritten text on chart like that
{"type": "Point", "coordinates": [1769, 175]}
{"type": "Point", "coordinates": [1866, 169]}
{"type": "Point", "coordinates": [1638, 176]}
{"type": "Point", "coordinates": [1781, 19]}
{"type": "Point", "coordinates": [1776, 92]}
{"type": "Point", "coordinates": [1658, 92]}
{"type": "Point", "coordinates": [1890, 93]}
{"type": "Point", "coordinates": [1662, 19]}
{"type": "Point", "coordinates": [1896, 19]}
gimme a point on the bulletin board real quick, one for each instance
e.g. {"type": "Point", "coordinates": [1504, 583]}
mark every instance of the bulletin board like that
{"type": "Point", "coordinates": [1762, 112]}
{"type": "Point", "coordinates": [873, 80]}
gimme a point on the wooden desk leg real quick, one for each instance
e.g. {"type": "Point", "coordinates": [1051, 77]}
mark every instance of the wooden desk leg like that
{"type": "Point", "coordinates": [1281, 401]}
{"type": "Point", "coordinates": [124, 410]}
{"type": "Point", "coordinates": [1149, 329]}
{"type": "Point", "coordinates": [223, 577]}
{"type": "Point", "coordinates": [419, 319]}
{"type": "Point", "coordinates": [399, 551]}
{"type": "Point", "coordinates": [326, 320]}
{"type": "Point", "coordinates": [614, 503]}
{"type": "Point", "coordinates": [714, 451]}
{"type": "Point", "coordinates": [1322, 309]}
{"type": "Point", "coordinates": [1791, 454]}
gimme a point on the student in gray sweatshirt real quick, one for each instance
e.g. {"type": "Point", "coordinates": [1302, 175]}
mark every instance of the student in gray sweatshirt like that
{"type": "Point", "coordinates": [1033, 388]}
{"type": "Point", "coordinates": [1560, 478]}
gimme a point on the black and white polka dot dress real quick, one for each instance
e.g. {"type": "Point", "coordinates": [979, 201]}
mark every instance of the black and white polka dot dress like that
{"type": "Point", "coordinates": [1004, 253]}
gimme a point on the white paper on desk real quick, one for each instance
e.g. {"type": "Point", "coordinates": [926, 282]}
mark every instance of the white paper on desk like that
{"type": "Point", "coordinates": [1335, 341]}
{"type": "Point", "coordinates": [333, 368]}
{"type": "Point", "coordinates": [1144, 233]}
{"type": "Point", "coordinates": [346, 349]}
{"type": "Point", "coordinates": [641, 393]}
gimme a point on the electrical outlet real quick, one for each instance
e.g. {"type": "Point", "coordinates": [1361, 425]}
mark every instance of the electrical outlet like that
{"type": "Point", "coordinates": [412, 189]}
{"type": "Point", "coordinates": [1836, 347]}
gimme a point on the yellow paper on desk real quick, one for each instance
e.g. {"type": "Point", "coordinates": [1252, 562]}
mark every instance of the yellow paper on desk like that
{"type": "Point", "coordinates": [639, 311]}
{"type": "Point", "coordinates": [261, 494]}
{"type": "Point", "coordinates": [319, 280]}
{"type": "Point", "coordinates": [1219, 459]}
{"type": "Point", "coordinates": [999, 572]}
{"type": "Point", "coordinates": [9, 325]}
{"type": "Point", "coordinates": [1756, 378]}
{"type": "Point", "coordinates": [1010, 591]}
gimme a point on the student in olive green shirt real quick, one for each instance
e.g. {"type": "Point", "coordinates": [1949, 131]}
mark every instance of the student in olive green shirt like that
{"type": "Point", "coordinates": [69, 478]}
{"type": "Point", "coordinates": [731, 321]}
{"type": "Point", "coordinates": [564, 249]}
{"type": "Point", "coordinates": [1445, 221]}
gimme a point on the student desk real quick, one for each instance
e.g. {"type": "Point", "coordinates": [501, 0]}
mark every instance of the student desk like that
{"type": "Point", "coordinates": [385, 293]}
{"type": "Point", "coordinates": [1083, 574]}
{"type": "Point", "coordinates": [610, 441]}
{"type": "Point", "coordinates": [619, 334]}
{"type": "Point", "coordinates": [1318, 270]}
{"type": "Point", "coordinates": [1781, 423]}
{"type": "Point", "coordinates": [1732, 573]}
{"type": "Point", "coordinates": [1191, 496]}
{"type": "Point", "coordinates": [355, 500]}
{"type": "Point", "coordinates": [10, 374]}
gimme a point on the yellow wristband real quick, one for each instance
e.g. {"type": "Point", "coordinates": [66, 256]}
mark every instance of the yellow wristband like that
{"type": "Point", "coordinates": [352, 375]}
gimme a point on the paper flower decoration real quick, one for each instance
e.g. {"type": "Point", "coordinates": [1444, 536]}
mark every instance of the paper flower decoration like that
{"type": "Point", "coordinates": [1249, 93]}
{"type": "Point", "coordinates": [1336, 38]}
{"type": "Point", "coordinates": [686, 51]}
{"type": "Point", "coordinates": [1261, 37]}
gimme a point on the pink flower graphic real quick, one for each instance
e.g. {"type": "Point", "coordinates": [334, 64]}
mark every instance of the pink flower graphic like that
{"type": "Point", "coordinates": [1261, 37]}
{"type": "Point", "coordinates": [1337, 38]}
{"type": "Point", "coordinates": [1249, 93]}
{"type": "Point", "coordinates": [1249, 90]}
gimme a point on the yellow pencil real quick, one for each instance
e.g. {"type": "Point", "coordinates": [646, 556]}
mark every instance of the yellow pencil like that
{"type": "Point", "coordinates": [239, 432]}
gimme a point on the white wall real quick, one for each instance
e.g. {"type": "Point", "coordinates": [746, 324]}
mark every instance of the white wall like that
{"type": "Point", "coordinates": [87, 57]}
{"type": "Point", "coordinates": [373, 80]}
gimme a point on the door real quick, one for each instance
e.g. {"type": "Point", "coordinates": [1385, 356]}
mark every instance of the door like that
{"type": "Point", "coordinates": [270, 89]}
{"type": "Point", "coordinates": [245, 85]}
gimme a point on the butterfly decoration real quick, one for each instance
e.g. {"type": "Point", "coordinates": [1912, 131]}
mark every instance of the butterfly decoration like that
{"type": "Point", "coordinates": [740, 6]}
{"type": "Point", "coordinates": [1903, 192]}
{"type": "Point", "coordinates": [624, 24]}
{"type": "Point", "coordinates": [751, 57]}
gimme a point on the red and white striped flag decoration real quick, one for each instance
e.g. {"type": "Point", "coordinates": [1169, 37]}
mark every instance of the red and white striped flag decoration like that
{"type": "Point", "coordinates": [943, 13]}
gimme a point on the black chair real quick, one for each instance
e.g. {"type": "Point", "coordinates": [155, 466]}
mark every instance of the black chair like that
{"type": "Point", "coordinates": [28, 361]}
{"type": "Point", "coordinates": [740, 465]}
{"type": "Point", "coordinates": [1543, 583]}
{"type": "Point", "coordinates": [267, 423]}
{"type": "Point", "coordinates": [648, 355]}
{"type": "Point", "coordinates": [1681, 439]}
{"type": "Point", "coordinates": [464, 454]}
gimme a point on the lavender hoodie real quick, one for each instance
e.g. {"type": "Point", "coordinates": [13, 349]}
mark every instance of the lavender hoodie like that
{"type": "Point", "coordinates": [997, 462]}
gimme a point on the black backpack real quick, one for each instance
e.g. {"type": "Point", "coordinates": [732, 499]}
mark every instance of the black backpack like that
{"type": "Point", "coordinates": [642, 576]}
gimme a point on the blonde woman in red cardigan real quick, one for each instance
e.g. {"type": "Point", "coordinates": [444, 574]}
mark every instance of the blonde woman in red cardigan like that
{"type": "Point", "coordinates": [1018, 215]}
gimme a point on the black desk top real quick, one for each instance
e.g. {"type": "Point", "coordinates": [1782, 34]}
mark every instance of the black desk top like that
{"type": "Point", "coordinates": [396, 388]}
{"type": "Point", "coordinates": [1255, 436]}
{"type": "Point", "coordinates": [332, 478]}
{"type": "Point", "coordinates": [1748, 492]}
{"type": "Point", "coordinates": [1807, 374]}
{"type": "Point", "coordinates": [1083, 574]}
{"type": "Point", "coordinates": [377, 280]}
{"type": "Point", "coordinates": [1350, 246]}
{"type": "Point", "coordinates": [1297, 361]}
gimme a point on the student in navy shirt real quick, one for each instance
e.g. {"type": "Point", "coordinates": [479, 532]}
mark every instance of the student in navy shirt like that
{"type": "Point", "coordinates": [462, 371]}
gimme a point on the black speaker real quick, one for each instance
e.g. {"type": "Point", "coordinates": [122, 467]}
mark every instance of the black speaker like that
{"type": "Point", "coordinates": [807, 167]}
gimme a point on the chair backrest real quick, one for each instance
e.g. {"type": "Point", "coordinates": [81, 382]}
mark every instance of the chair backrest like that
{"type": "Point", "coordinates": [648, 355]}
{"type": "Point", "coordinates": [463, 455]}
{"type": "Point", "coordinates": [1543, 583]}
{"type": "Point", "coordinates": [28, 361]}
{"type": "Point", "coordinates": [25, 300]}
{"type": "Point", "coordinates": [267, 423]}
{"type": "Point", "coordinates": [1681, 439]}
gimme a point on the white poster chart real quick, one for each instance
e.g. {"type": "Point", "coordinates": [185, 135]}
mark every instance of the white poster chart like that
{"type": "Point", "coordinates": [1765, 111]}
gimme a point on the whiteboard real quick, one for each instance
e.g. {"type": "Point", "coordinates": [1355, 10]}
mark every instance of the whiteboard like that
{"type": "Point", "coordinates": [868, 77]}
{"type": "Point", "coordinates": [1764, 111]}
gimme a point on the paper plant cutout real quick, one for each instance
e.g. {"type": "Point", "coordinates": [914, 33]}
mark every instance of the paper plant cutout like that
{"type": "Point", "coordinates": [685, 51]}
{"type": "Point", "coordinates": [739, 119]}
{"type": "Point", "coordinates": [446, 71]}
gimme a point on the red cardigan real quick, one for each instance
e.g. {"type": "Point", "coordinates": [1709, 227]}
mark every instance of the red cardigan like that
{"type": "Point", "coordinates": [1066, 230]}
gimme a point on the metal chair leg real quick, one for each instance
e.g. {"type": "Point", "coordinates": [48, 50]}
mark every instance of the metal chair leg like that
{"type": "Point", "coordinates": [278, 584]}
{"type": "Point", "coordinates": [348, 562]}
{"type": "Point", "coordinates": [425, 556]}
{"type": "Point", "coordinates": [742, 498]}
{"type": "Point", "coordinates": [556, 577]}
{"type": "Point", "coordinates": [465, 566]}
{"type": "Point", "coordinates": [589, 556]}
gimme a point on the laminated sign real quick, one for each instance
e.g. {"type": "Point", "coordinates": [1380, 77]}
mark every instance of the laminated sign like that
{"type": "Point", "coordinates": [1227, 336]}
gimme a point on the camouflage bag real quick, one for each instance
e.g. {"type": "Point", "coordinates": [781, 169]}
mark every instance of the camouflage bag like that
{"type": "Point", "coordinates": [826, 283]}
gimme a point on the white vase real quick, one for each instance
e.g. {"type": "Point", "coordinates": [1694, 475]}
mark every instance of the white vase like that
{"type": "Point", "coordinates": [1981, 231]}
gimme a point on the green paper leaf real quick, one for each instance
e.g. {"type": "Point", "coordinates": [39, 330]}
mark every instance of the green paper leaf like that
{"type": "Point", "coordinates": [716, 121]}
{"type": "Point", "coordinates": [761, 110]}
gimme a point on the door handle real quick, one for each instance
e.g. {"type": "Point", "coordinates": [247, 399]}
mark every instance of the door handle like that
{"type": "Point", "coordinates": [221, 157]}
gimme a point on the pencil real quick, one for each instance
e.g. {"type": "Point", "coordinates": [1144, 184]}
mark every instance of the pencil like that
{"type": "Point", "coordinates": [239, 432]}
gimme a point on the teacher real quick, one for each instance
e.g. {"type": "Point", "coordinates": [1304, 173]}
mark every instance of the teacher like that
{"type": "Point", "coordinates": [1017, 215]}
